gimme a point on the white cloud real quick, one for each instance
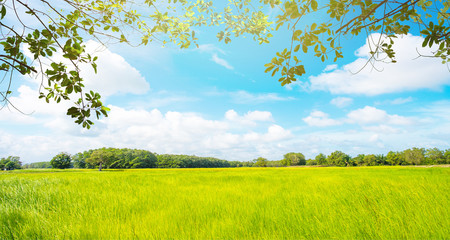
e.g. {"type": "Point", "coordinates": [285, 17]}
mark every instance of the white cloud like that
{"type": "Point", "coordinates": [250, 118]}
{"type": "Point", "coordinates": [438, 110]}
{"type": "Point", "coordinates": [408, 74]}
{"type": "Point", "coordinates": [397, 101]}
{"type": "Point", "coordinates": [114, 74]}
{"type": "Point", "coordinates": [162, 99]}
{"type": "Point", "coordinates": [227, 138]}
{"type": "Point", "coordinates": [246, 97]}
{"type": "Point", "coordinates": [341, 102]}
{"type": "Point", "coordinates": [246, 136]}
{"type": "Point", "coordinates": [320, 119]}
{"type": "Point", "coordinates": [209, 48]}
{"type": "Point", "coordinates": [277, 133]}
{"type": "Point", "coordinates": [222, 62]}
{"type": "Point", "coordinates": [330, 67]}
{"type": "Point", "coordinates": [259, 116]}
{"type": "Point", "coordinates": [213, 50]}
{"type": "Point", "coordinates": [382, 128]}
{"type": "Point", "coordinates": [371, 115]}
{"type": "Point", "coordinates": [31, 107]}
{"type": "Point", "coordinates": [369, 118]}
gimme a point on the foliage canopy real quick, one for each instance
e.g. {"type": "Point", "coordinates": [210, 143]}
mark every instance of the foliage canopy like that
{"type": "Point", "coordinates": [46, 39]}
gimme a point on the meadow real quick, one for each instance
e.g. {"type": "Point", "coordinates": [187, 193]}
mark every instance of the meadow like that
{"type": "Point", "coordinates": [238, 203]}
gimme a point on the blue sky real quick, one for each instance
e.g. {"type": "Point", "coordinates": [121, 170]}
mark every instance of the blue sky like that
{"type": "Point", "coordinates": [217, 101]}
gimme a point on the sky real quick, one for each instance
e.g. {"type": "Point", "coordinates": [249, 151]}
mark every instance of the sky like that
{"type": "Point", "coordinates": [216, 101]}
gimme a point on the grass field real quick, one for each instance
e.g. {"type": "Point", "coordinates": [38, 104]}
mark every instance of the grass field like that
{"type": "Point", "coordinates": [244, 203]}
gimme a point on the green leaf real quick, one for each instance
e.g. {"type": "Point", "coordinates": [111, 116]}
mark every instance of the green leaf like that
{"type": "Point", "coordinates": [314, 5]}
{"type": "Point", "coordinates": [2, 12]}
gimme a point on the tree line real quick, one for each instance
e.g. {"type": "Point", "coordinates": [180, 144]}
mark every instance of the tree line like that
{"type": "Point", "coordinates": [124, 158]}
{"type": "Point", "coordinates": [412, 156]}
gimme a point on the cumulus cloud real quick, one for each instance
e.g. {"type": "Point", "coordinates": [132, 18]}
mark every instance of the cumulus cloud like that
{"type": "Point", "coordinates": [320, 119]}
{"type": "Point", "coordinates": [341, 102]}
{"type": "Point", "coordinates": [367, 117]}
{"type": "Point", "coordinates": [246, 136]}
{"type": "Point", "coordinates": [227, 138]}
{"type": "Point", "coordinates": [408, 74]}
{"type": "Point", "coordinates": [189, 133]}
{"type": "Point", "coordinates": [371, 115]}
{"type": "Point", "coordinates": [114, 74]}
{"type": "Point", "coordinates": [250, 118]}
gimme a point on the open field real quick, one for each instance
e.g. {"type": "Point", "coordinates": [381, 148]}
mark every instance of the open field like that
{"type": "Point", "coordinates": [243, 203]}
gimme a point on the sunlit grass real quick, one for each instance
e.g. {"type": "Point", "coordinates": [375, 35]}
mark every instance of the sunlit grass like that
{"type": "Point", "coordinates": [246, 203]}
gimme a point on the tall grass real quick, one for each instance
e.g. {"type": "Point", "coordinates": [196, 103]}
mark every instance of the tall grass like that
{"type": "Point", "coordinates": [246, 203]}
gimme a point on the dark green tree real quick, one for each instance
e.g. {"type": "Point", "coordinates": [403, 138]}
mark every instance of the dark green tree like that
{"type": "Point", "coordinates": [414, 156]}
{"type": "Point", "coordinates": [293, 159]}
{"type": "Point", "coordinates": [321, 159]}
{"type": "Point", "coordinates": [100, 158]}
{"type": "Point", "coordinates": [61, 161]}
{"type": "Point", "coordinates": [395, 158]}
{"type": "Point", "coordinates": [359, 160]}
{"type": "Point", "coordinates": [260, 162]}
{"type": "Point", "coordinates": [338, 158]}
{"type": "Point", "coordinates": [167, 161]}
{"type": "Point", "coordinates": [370, 160]}
{"type": "Point", "coordinates": [10, 163]}
{"type": "Point", "coordinates": [434, 156]}
{"type": "Point", "coordinates": [311, 162]}
{"type": "Point", "coordinates": [447, 156]}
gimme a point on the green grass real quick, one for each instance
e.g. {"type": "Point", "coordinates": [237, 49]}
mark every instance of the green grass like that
{"type": "Point", "coordinates": [245, 203]}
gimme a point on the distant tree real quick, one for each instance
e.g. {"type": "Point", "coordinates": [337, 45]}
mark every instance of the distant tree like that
{"type": "Point", "coordinates": [311, 162]}
{"type": "Point", "coordinates": [144, 159]}
{"type": "Point", "coordinates": [37, 165]}
{"type": "Point", "coordinates": [247, 164]}
{"type": "Point", "coordinates": [321, 159]}
{"type": "Point", "coordinates": [447, 156]}
{"type": "Point", "coordinates": [293, 159]}
{"type": "Point", "coordinates": [434, 156]}
{"type": "Point", "coordinates": [359, 160]}
{"type": "Point", "coordinates": [395, 158]}
{"type": "Point", "coordinates": [167, 161]}
{"type": "Point", "coordinates": [414, 156]}
{"type": "Point", "coordinates": [274, 163]}
{"type": "Point", "coordinates": [100, 157]}
{"type": "Point", "coordinates": [370, 160]}
{"type": "Point", "coordinates": [380, 159]}
{"type": "Point", "coordinates": [79, 159]}
{"type": "Point", "coordinates": [260, 162]}
{"type": "Point", "coordinates": [10, 163]}
{"type": "Point", "coordinates": [61, 161]}
{"type": "Point", "coordinates": [338, 158]}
